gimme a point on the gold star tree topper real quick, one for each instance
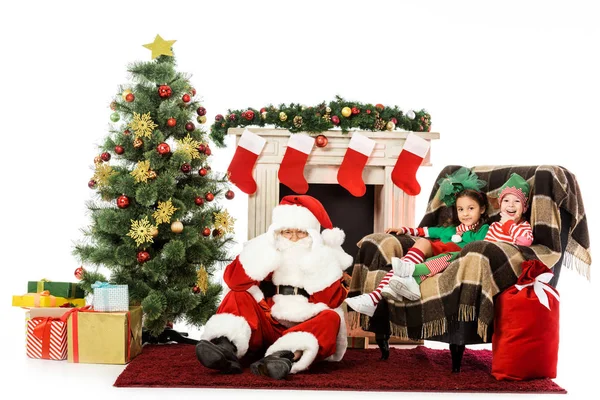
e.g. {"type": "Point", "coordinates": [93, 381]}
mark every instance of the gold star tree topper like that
{"type": "Point", "coordinates": [160, 47]}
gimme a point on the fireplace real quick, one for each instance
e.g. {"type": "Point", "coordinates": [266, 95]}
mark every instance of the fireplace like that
{"type": "Point", "coordinates": [384, 205]}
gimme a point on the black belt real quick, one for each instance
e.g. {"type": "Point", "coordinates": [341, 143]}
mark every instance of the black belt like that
{"type": "Point", "coordinates": [291, 290]}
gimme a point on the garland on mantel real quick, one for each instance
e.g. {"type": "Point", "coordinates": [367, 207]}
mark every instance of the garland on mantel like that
{"type": "Point", "coordinates": [335, 114]}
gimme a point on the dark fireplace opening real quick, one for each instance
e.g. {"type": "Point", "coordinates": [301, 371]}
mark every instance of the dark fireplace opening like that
{"type": "Point", "coordinates": [354, 215]}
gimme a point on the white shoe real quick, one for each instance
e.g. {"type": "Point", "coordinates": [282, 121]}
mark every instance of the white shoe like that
{"type": "Point", "coordinates": [402, 268]}
{"type": "Point", "coordinates": [388, 294]}
{"type": "Point", "coordinates": [362, 304]}
{"type": "Point", "coordinates": [406, 287]}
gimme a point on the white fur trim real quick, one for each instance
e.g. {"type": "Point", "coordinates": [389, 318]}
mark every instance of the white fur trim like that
{"type": "Point", "coordinates": [294, 341]}
{"type": "Point", "coordinates": [361, 144]}
{"type": "Point", "coordinates": [234, 328]}
{"type": "Point", "coordinates": [416, 145]}
{"type": "Point", "coordinates": [259, 257]}
{"type": "Point", "coordinates": [343, 258]}
{"type": "Point", "coordinates": [321, 267]}
{"type": "Point", "coordinates": [293, 216]}
{"type": "Point", "coordinates": [252, 142]}
{"type": "Point", "coordinates": [256, 293]}
{"type": "Point", "coordinates": [302, 143]}
{"type": "Point", "coordinates": [333, 237]}
{"type": "Point", "coordinates": [294, 308]}
{"type": "Point", "coordinates": [341, 342]}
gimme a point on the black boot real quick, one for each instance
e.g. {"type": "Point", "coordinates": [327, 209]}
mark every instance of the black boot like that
{"type": "Point", "coordinates": [276, 365]}
{"type": "Point", "coordinates": [219, 354]}
{"type": "Point", "coordinates": [456, 351]}
{"type": "Point", "coordinates": [384, 345]}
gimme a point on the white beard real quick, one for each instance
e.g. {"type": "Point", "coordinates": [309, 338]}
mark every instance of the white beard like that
{"type": "Point", "coordinates": [292, 254]}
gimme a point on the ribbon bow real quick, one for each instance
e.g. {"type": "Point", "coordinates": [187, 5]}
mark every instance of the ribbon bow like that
{"type": "Point", "coordinates": [540, 288]}
{"type": "Point", "coordinates": [99, 284]}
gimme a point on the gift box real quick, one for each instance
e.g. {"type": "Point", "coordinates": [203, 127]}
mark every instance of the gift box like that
{"type": "Point", "coordinates": [47, 333]}
{"type": "Point", "coordinates": [45, 299]}
{"type": "Point", "coordinates": [526, 329]}
{"type": "Point", "coordinates": [60, 289]}
{"type": "Point", "coordinates": [108, 297]}
{"type": "Point", "coordinates": [104, 337]}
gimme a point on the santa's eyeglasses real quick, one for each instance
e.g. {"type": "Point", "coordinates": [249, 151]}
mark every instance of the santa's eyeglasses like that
{"type": "Point", "coordinates": [288, 233]}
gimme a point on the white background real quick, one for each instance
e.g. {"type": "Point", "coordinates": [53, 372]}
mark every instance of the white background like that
{"type": "Point", "coordinates": [515, 82]}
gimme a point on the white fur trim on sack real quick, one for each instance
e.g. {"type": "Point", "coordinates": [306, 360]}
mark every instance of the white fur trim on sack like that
{"type": "Point", "coordinates": [291, 216]}
{"type": "Point", "coordinates": [294, 341]}
{"type": "Point", "coordinates": [233, 327]}
{"type": "Point", "coordinates": [259, 257]}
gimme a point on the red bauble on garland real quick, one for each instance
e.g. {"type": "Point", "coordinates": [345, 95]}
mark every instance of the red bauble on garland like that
{"type": "Point", "coordinates": [229, 194]}
{"type": "Point", "coordinates": [248, 115]}
{"type": "Point", "coordinates": [123, 201]}
{"type": "Point", "coordinates": [355, 110]}
{"type": "Point", "coordinates": [164, 91]}
{"type": "Point", "coordinates": [186, 168]}
{"type": "Point", "coordinates": [321, 141]}
{"type": "Point", "coordinates": [186, 98]}
{"type": "Point", "coordinates": [202, 171]}
{"type": "Point", "coordinates": [143, 256]}
{"type": "Point", "coordinates": [119, 149]}
{"type": "Point", "coordinates": [209, 196]}
{"type": "Point", "coordinates": [163, 148]}
{"type": "Point", "coordinates": [171, 122]}
{"type": "Point", "coordinates": [201, 111]}
{"type": "Point", "coordinates": [335, 120]}
{"type": "Point", "coordinates": [199, 201]}
{"type": "Point", "coordinates": [218, 117]}
{"type": "Point", "coordinates": [206, 231]}
{"type": "Point", "coordinates": [105, 156]}
{"type": "Point", "coordinates": [189, 126]}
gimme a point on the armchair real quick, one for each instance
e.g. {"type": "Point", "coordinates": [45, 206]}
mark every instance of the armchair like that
{"type": "Point", "coordinates": [457, 305]}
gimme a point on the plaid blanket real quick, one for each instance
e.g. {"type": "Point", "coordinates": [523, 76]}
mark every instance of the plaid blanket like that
{"type": "Point", "coordinates": [465, 291]}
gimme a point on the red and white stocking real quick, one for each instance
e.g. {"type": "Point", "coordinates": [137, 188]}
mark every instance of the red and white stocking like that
{"type": "Point", "coordinates": [291, 171]}
{"type": "Point", "coordinates": [246, 154]}
{"type": "Point", "coordinates": [404, 174]}
{"type": "Point", "coordinates": [350, 172]}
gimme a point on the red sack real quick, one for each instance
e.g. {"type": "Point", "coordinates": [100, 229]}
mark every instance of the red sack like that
{"type": "Point", "coordinates": [525, 340]}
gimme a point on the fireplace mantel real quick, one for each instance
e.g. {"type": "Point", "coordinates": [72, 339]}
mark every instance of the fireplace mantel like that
{"type": "Point", "coordinates": [392, 206]}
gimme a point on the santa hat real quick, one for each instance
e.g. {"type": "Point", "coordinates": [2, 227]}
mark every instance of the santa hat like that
{"type": "Point", "coordinates": [518, 186]}
{"type": "Point", "coordinates": [307, 214]}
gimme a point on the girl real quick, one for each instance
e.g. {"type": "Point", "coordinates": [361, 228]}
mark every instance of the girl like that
{"type": "Point", "coordinates": [469, 223]}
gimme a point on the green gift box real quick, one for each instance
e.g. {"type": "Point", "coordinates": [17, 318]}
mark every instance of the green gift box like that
{"type": "Point", "coordinates": [59, 289]}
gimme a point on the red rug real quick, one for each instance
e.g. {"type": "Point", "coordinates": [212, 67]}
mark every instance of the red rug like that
{"type": "Point", "coordinates": [419, 369]}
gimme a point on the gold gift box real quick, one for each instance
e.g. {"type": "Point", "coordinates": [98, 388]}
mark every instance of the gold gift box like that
{"type": "Point", "coordinates": [104, 337]}
{"type": "Point", "coordinates": [41, 300]}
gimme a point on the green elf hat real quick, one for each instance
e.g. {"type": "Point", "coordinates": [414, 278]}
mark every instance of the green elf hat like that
{"type": "Point", "coordinates": [518, 186]}
{"type": "Point", "coordinates": [461, 179]}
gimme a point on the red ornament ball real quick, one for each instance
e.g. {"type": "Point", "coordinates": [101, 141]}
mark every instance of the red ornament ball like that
{"type": "Point", "coordinates": [335, 120]}
{"type": "Point", "coordinates": [171, 122]}
{"type": "Point", "coordinates": [355, 110]}
{"type": "Point", "coordinates": [202, 148]}
{"type": "Point", "coordinates": [186, 98]}
{"type": "Point", "coordinates": [163, 148]}
{"type": "Point", "coordinates": [199, 201]}
{"type": "Point", "coordinates": [126, 132]}
{"type": "Point", "coordinates": [189, 126]}
{"type": "Point", "coordinates": [122, 201]}
{"type": "Point", "coordinates": [196, 289]}
{"type": "Point", "coordinates": [394, 120]}
{"type": "Point", "coordinates": [368, 111]}
{"type": "Point", "coordinates": [186, 168]}
{"type": "Point", "coordinates": [262, 110]}
{"type": "Point", "coordinates": [92, 184]}
{"type": "Point", "coordinates": [209, 196]}
{"type": "Point", "coordinates": [249, 115]}
{"type": "Point", "coordinates": [79, 273]}
{"type": "Point", "coordinates": [193, 91]}
{"type": "Point", "coordinates": [105, 156]}
{"type": "Point", "coordinates": [164, 91]}
{"type": "Point", "coordinates": [130, 97]}
{"type": "Point", "coordinates": [229, 194]}
{"type": "Point", "coordinates": [202, 171]}
{"type": "Point", "coordinates": [201, 111]}
{"type": "Point", "coordinates": [218, 117]}
{"type": "Point", "coordinates": [143, 256]}
{"type": "Point", "coordinates": [207, 151]}
{"type": "Point", "coordinates": [379, 107]}
{"type": "Point", "coordinates": [119, 149]}
{"type": "Point", "coordinates": [232, 117]}
{"type": "Point", "coordinates": [321, 141]}
{"type": "Point", "coordinates": [216, 232]}
{"type": "Point", "coordinates": [206, 231]}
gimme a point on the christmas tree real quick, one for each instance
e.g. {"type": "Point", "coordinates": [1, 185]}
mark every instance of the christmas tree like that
{"type": "Point", "coordinates": [155, 224]}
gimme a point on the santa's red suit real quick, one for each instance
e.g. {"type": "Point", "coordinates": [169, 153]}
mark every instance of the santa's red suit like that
{"type": "Point", "coordinates": [305, 312]}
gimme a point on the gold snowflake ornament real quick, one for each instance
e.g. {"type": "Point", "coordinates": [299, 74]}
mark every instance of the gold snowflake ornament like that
{"type": "Point", "coordinates": [141, 231]}
{"type": "Point", "coordinates": [202, 280]}
{"type": "Point", "coordinates": [164, 212]}
{"type": "Point", "coordinates": [142, 125]}
{"type": "Point", "coordinates": [189, 146]}
{"type": "Point", "coordinates": [141, 172]}
{"type": "Point", "coordinates": [102, 174]}
{"type": "Point", "coordinates": [224, 222]}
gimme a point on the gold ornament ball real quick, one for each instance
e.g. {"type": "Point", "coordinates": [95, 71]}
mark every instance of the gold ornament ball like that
{"type": "Point", "coordinates": [282, 116]}
{"type": "Point", "coordinates": [151, 174]}
{"type": "Point", "coordinates": [328, 110]}
{"type": "Point", "coordinates": [177, 227]}
{"type": "Point", "coordinates": [346, 112]}
{"type": "Point", "coordinates": [154, 232]}
{"type": "Point", "coordinates": [125, 93]}
{"type": "Point", "coordinates": [263, 115]}
{"type": "Point", "coordinates": [201, 119]}
{"type": "Point", "coordinates": [390, 125]}
{"type": "Point", "coordinates": [137, 143]}
{"type": "Point", "coordinates": [97, 160]}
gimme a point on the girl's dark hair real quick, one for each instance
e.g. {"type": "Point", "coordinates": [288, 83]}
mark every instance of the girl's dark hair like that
{"type": "Point", "coordinates": [480, 198]}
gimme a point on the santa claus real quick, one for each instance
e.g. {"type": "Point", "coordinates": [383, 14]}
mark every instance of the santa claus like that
{"type": "Point", "coordinates": [301, 321]}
